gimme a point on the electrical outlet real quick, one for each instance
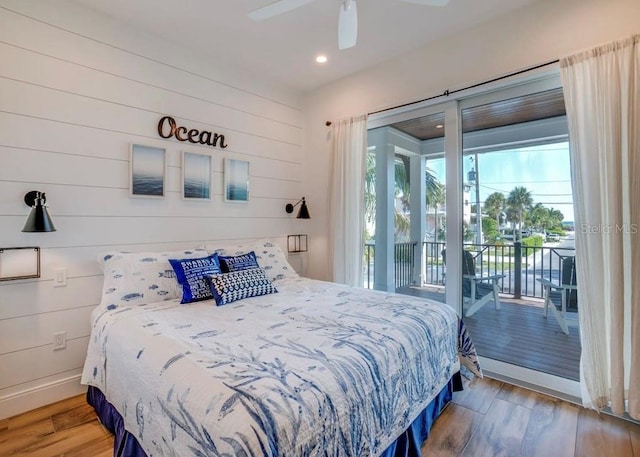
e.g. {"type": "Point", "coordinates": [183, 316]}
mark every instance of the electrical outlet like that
{"type": "Point", "coordinates": [59, 340]}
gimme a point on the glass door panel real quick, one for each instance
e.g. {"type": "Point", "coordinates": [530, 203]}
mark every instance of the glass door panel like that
{"type": "Point", "coordinates": [518, 208]}
{"type": "Point", "coordinates": [408, 153]}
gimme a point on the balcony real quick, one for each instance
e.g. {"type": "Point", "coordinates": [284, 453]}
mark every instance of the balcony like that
{"type": "Point", "coordinates": [517, 333]}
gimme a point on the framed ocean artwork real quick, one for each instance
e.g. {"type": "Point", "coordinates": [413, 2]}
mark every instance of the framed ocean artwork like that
{"type": "Point", "coordinates": [147, 171]}
{"type": "Point", "coordinates": [236, 180]}
{"type": "Point", "coordinates": [196, 176]}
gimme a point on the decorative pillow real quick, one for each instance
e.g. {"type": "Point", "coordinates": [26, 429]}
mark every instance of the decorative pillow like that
{"type": "Point", "coordinates": [236, 285]}
{"type": "Point", "coordinates": [142, 277]}
{"type": "Point", "coordinates": [273, 261]}
{"type": "Point", "coordinates": [240, 262]}
{"type": "Point", "coordinates": [192, 275]}
{"type": "Point", "coordinates": [268, 253]}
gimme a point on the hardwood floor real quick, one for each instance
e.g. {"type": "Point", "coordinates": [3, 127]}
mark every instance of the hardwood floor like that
{"type": "Point", "coordinates": [489, 418]}
{"type": "Point", "coordinates": [68, 428]}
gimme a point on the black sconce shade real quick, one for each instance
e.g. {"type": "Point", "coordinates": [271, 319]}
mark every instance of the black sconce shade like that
{"type": "Point", "coordinates": [39, 219]}
{"type": "Point", "coordinates": [303, 212]}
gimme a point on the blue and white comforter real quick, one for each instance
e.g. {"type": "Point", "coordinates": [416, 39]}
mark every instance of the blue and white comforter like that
{"type": "Point", "coordinates": [316, 369]}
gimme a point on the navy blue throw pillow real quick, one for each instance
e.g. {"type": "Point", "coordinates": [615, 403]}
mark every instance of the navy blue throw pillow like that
{"type": "Point", "coordinates": [192, 275]}
{"type": "Point", "coordinates": [229, 287]}
{"type": "Point", "coordinates": [239, 262]}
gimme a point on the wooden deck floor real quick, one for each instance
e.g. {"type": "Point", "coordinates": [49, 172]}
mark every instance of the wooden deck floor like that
{"type": "Point", "coordinates": [519, 334]}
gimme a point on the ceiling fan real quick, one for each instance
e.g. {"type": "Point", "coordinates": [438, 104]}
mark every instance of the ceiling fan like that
{"type": "Point", "coordinates": [347, 20]}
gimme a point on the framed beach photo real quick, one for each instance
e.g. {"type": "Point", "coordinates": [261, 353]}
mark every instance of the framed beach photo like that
{"type": "Point", "coordinates": [236, 180]}
{"type": "Point", "coordinates": [196, 176]}
{"type": "Point", "coordinates": [147, 171]}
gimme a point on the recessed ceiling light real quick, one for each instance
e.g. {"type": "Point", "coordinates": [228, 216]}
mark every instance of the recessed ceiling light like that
{"type": "Point", "coordinates": [321, 58]}
{"type": "Point", "coordinates": [439, 126]}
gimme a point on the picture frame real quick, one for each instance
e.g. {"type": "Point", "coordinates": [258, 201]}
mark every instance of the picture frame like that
{"type": "Point", "coordinates": [236, 181]}
{"type": "Point", "coordinates": [196, 176]}
{"type": "Point", "coordinates": [147, 171]}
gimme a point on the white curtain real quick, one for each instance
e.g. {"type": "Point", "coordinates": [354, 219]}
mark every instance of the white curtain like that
{"type": "Point", "coordinates": [347, 199]}
{"type": "Point", "coordinates": [602, 96]}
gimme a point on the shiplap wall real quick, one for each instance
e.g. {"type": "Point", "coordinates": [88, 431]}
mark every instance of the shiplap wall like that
{"type": "Point", "coordinates": [76, 89]}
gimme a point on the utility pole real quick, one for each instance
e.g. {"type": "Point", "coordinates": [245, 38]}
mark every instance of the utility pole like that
{"type": "Point", "coordinates": [474, 176]}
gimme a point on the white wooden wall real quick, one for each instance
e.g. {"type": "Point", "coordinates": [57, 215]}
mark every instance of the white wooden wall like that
{"type": "Point", "coordinates": [75, 91]}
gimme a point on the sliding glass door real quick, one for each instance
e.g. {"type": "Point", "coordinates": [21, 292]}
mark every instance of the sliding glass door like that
{"type": "Point", "coordinates": [476, 211]}
{"type": "Point", "coordinates": [517, 229]}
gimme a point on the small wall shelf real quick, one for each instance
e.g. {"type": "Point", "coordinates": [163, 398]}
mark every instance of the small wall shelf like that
{"type": "Point", "coordinates": [297, 243]}
{"type": "Point", "coordinates": [19, 263]}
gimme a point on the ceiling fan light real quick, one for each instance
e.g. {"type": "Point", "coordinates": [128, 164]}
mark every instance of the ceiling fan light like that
{"type": "Point", "coordinates": [428, 2]}
{"type": "Point", "coordinates": [348, 25]}
{"type": "Point", "coordinates": [276, 8]}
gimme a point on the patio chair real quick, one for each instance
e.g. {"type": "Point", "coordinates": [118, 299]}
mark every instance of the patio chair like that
{"type": "Point", "coordinates": [479, 289]}
{"type": "Point", "coordinates": [562, 298]}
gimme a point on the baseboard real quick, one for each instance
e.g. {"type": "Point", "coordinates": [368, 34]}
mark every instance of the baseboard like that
{"type": "Point", "coordinates": [26, 400]}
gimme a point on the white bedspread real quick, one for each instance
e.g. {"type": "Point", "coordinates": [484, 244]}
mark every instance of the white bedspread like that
{"type": "Point", "coordinates": [316, 369]}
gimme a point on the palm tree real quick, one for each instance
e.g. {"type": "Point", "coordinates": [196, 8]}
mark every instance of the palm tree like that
{"type": "Point", "coordinates": [555, 217]}
{"type": "Point", "coordinates": [434, 191]}
{"type": "Point", "coordinates": [538, 217]}
{"type": "Point", "coordinates": [370, 189]}
{"type": "Point", "coordinates": [518, 201]}
{"type": "Point", "coordinates": [401, 191]}
{"type": "Point", "coordinates": [493, 206]}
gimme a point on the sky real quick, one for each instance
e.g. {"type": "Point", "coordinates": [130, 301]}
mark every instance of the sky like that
{"type": "Point", "coordinates": [148, 160]}
{"type": "Point", "coordinates": [543, 169]}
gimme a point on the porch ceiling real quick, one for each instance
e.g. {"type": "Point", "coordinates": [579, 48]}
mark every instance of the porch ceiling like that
{"type": "Point", "coordinates": [533, 107]}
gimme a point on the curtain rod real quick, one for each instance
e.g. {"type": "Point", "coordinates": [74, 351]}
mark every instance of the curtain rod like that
{"type": "Point", "coordinates": [447, 92]}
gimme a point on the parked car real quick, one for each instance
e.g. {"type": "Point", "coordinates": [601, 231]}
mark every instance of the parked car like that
{"type": "Point", "coordinates": [553, 237]}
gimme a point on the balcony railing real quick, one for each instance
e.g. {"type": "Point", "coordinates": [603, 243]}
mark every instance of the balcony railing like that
{"type": "Point", "coordinates": [520, 265]}
{"type": "Point", "coordinates": [403, 264]}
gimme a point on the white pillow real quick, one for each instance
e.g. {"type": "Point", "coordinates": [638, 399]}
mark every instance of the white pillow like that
{"type": "Point", "coordinates": [268, 254]}
{"type": "Point", "coordinates": [141, 277]}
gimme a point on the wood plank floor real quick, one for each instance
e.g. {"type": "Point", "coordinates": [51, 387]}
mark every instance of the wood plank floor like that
{"type": "Point", "coordinates": [518, 333]}
{"type": "Point", "coordinates": [67, 428]}
{"type": "Point", "coordinates": [489, 418]}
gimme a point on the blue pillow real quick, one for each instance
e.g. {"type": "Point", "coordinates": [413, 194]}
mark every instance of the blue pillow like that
{"type": "Point", "coordinates": [192, 275]}
{"type": "Point", "coordinates": [236, 285]}
{"type": "Point", "coordinates": [239, 262]}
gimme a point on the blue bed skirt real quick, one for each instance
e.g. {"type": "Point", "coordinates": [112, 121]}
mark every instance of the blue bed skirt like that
{"type": "Point", "coordinates": [407, 445]}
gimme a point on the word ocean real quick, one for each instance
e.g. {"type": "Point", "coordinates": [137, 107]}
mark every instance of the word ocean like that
{"type": "Point", "coordinates": [167, 127]}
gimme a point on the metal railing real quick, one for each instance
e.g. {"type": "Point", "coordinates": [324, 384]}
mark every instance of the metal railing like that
{"type": "Point", "coordinates": [520, 265]}
{"type": "Point", "coordinates": [369, 254]}
{"type": "Point", "coordinates": [403, 264]}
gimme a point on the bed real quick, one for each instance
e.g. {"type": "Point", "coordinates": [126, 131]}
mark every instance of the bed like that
{"type": "Point", "coordinates": [314, 368]}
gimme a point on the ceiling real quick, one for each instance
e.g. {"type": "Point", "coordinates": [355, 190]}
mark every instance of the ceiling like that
{"type": "Point", "coordinates": [517, 110]}
{"type": "Point", "coordinates": [282, 49]}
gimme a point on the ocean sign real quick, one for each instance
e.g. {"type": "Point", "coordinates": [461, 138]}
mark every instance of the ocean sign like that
{"type": "Point", "coordinates": [168, 127]}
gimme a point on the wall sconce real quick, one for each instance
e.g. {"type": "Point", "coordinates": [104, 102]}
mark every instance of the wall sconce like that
{"type": "Point", "coordinates": [39, 219]}
{"type": "Point", "coordinates": [297, 243]}
{"type": "Point", "coordinates": [303, 212]}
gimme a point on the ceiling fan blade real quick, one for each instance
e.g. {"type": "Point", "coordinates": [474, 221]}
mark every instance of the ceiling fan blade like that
{"type": "Point", "coordinates": [275, 8]}
{"type": "Point", "coordinates": [428, 2]}
{"type": "Point", "coordinates": [348, 25]}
